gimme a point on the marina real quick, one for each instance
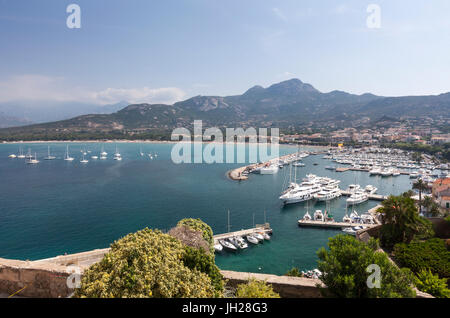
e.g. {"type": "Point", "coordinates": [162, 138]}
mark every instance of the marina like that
{"type": "Point", "coordinates": [88, 206]}
{"type": "Point", "coordinates": [325, 224]}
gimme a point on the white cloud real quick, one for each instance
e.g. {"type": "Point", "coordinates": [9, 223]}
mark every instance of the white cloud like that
{"type": "Point", "coordinates": [35, 88]}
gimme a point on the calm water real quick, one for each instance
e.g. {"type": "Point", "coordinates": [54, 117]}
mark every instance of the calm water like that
{"type": "Point", "coordinates": [59, 207]}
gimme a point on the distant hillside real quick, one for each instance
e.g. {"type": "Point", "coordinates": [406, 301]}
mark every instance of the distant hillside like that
{"type": "Point", "coordinates": [11, 121]}
{"type": "Point", "coordinates": [290, 103]}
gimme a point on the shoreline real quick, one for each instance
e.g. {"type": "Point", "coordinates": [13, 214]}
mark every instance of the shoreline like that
{"type": "Point", "coordinates": [147, 141]}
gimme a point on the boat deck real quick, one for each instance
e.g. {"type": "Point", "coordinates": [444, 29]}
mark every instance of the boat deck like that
{"type": "Point", "coordinates": [312, 223]}
{"type": "Point", "coordinates": [375, 197]}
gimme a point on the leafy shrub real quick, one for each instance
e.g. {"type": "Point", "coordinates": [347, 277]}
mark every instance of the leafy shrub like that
{"type": "Point", "coordinates": [197, 259]}
{"type": "Point", "coordinates": [199, 225]}
{"type": "Point", "coordinates": [429, 283]}
{"type": "Point", "coordinates": [255, 289]}
{"type": "Point", "coordinates": [431, 254]}
{"type": "Point", "coordinates": [145, 264]}
{"type": "Point", "coordinates": [294, 272]}
{"type": "Point", "coordinates": [344, 273]}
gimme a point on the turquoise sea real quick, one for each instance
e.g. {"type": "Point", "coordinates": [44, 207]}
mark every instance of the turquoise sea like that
{"type": "Point", "coordinates": [58, 207]}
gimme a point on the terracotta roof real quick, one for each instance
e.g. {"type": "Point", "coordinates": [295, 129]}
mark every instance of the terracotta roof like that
{"type": "Point", "coordinates": [445, 198]}
{"type": "Point", "coordinates": [442, 181]}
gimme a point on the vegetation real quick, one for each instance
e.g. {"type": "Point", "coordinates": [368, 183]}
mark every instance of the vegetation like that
{"type": "Point", "coordinates": [442, 150]}
{"type": "Point", "coordinates": [429, 283]}
{"type": "Point", "coordinates": [421, 186]}
{"type": "Point", "coordinates": [344, 273]}
{"type": "Point", "coordinates": [294, 272]}
{"type": "Point", "coordinates": [197, 259]}
{"type": "Point", "coordinates": [431, 254]}
{"type": "Point", "coordinates": [149, 263]}
{"type": "Point", "coordinates": [431, 206]}
{"type": "Point", "coordinates": [255, 289]}
{"type": "Point", "coordinates": [199, 225]}
{"type": "Point", "coordinates": [401, 222]}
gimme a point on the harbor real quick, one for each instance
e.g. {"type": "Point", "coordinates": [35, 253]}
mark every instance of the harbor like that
{"type": "Point", "coordinates": [153, 193]}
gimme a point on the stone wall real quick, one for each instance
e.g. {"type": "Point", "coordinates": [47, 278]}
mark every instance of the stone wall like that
{"type": "Point", "coordinates": [287, 287]}
{"type": "Point", "coordinates": [29, 279]}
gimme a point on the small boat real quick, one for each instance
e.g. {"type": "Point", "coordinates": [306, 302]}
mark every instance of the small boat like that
{"type": "Point", "coordinates": [258, 236]}
{"type": "Point", "coordinates": [94, 157]}
{"type": "Point", "coordinates": [266, 236]}
{"type": "Point", "coordinates": [306, 217]}
{"type": "Point", "coordinates": [12, 156]}
{"type": "Point", "coordinates": [239, 242]}
{"type": "Point", "coordinates": [49, 157]}
{"type": "Point", "coordinates": [318, 216]}
{"type": "Point", "coordinates": [251, 239]}
{"type": "Point", "coordinates": [227, 245]}
{"type": "Point", "coordinates": [272, 169]}
{"type": "Point", "coordinates": [346, 219]}
{"type": "Point", "coordinates": [84, 160]}
{"type": "Point", "coordinates": [349, 230]}
{"type": "Point", "coordinates": [298, 164]}
{"type": "Point", "coordinates": [67, 157]}
{"type": "Point", "coordinates": [117, 155]}
{"type": "Point", "coordinates": [21, 155]}
{"type": "Point", "coordinates": [103, 153]}
{"type": "Point", "coordinates": [33, 161]}
{"type": "Point", "coordinates": [218, 247]}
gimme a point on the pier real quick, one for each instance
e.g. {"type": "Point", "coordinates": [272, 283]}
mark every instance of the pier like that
{"type": "Point", "coordinates": [312, 223]}
{"type": "Point", "coordinates": [265, 228]}
{"type": "Point", "coordinates": [375, 197]}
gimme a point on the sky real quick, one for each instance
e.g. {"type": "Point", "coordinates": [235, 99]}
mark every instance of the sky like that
{"type": "Point", "coordinates": [159, 51]}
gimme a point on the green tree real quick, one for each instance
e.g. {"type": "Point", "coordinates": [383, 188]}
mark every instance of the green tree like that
{"type": "Point", "coordinates": [344, 270]}
{"type": "Point", "coordinates": [421, 186]}
{"type": "Point", "coordinates": [429, 283]}
{"type": "Point", "coordinates": [255, 289]}
{"type": "Point", "coordinates": [199, 225]}
{"type": "Point", "coordinates": [431, 206]}
{"type": "Point", "coordinates": [401, 222]}
{"type": "Point", "coordinates": [147, 263]}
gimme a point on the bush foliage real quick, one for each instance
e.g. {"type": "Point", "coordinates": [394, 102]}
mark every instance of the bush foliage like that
{"type": "Point", "coordinates": [147, 263]}
{"type": "Point", "coordinates": [429, 283]}
{"type": "Point", "coordinates": [199, 225]}
{"type": "Point", "coordinates": [344, 273]}
{"type": "Point", "coordinates": [255, 289]}
{"type": "Point", "coordinates": [431, 254]}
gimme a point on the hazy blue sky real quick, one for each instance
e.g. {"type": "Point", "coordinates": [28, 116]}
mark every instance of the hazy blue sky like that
{"type": "Point", "coordinates": [162, 51]}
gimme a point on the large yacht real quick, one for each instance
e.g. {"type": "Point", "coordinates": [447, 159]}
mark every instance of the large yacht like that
{"type": "Point", "coordinates": [272, 169]}
{"type": "Point", "coordinates": [328, 193]}
{"type": "Point", "coordinates": [357, 198]}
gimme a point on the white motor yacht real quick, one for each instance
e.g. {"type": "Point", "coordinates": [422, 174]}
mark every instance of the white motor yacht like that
{"type": "Point", "coordinates": [227, 245]}
{"type": "Point", "coordinates": [272, 169]}
{"type": "Point", "coordinates": [357, 197]}
{"type": "Point", "coordinates": [318, 216]}
{"type": "Point", "coordinates": [258, 236]}
{"type": "Point", "coordinates": [218, 247]}
{"type": "Point", "coordinates": [370, 189]}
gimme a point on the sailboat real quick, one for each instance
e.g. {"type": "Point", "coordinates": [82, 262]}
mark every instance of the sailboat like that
{"type": "Point", "coordinates": [29, 156]}
{"type": "Point", "coordinates": [67, 157]}
{"type": "Point", "coordinates": [21, 155]}
{"type": "Point", "coordinates": [84, 160]}
{"type": "Point", "coordinates": [140, 151]}
{"type": "Point", "coordinates": [33, 161]}
{"type": "Point", "coordinates": [103, 153]}
{"type": "Point", "coordinates": [49, 157]}
{"type": "Point", "coordinates": [117, 155]}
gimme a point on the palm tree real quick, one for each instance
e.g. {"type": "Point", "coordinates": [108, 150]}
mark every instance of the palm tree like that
{"type": "Point", "coordinates": [421, 186]}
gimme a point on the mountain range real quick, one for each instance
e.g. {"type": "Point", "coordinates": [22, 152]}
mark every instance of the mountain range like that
{"type": "Point", "coordinates": [288, 104]}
